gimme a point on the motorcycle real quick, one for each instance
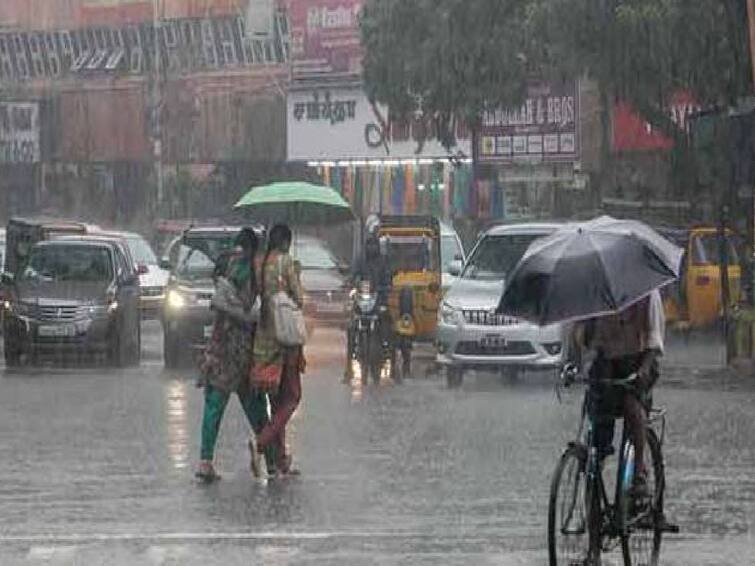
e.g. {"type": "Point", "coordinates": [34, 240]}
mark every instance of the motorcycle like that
{"type": "Point", "coordinates": [369, 347]}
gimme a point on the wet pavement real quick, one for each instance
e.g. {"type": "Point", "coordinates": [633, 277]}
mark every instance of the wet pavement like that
{"type": "Point", "coordinates": [97, 468]}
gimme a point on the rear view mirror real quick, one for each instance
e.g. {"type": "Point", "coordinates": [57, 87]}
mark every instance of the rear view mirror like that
{"type": "Point", "coordinates": [165, 263]}
{"type": "Point", "coordinates": [454, 268]}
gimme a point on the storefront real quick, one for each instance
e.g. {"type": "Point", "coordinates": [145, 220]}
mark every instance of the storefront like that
{"type": "Point", "coordinates": [530, 156]}
{"type": "Point", "coordinates": [378, 164]}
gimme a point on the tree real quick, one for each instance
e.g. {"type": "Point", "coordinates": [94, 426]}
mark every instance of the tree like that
{"type": "Point", "coordinates": [454, 58]}
{"type": "Point", "coordinates": [447, 59]}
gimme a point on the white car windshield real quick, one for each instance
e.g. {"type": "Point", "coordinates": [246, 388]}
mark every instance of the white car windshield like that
{"type": "Point", "coordinates": [496, 256]}
{"type": "Point", "coordinates": [141, 252]}
{"type": "Point", "coordinates": [194, 264]}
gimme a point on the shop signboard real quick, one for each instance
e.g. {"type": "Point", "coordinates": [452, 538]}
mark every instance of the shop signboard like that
{"type": "Point", "coordinates": [19, 133]}
{"type": "Point", "coordinates": [325, 37]}
{"type": "Point", "coordinates": [185, 45]}
{"type": "Point", "coordinates": [331, 124]}
{"type": "Point", "coordinates": [631, 132]}
{"type": "Point", "coordinates": [544, 128]}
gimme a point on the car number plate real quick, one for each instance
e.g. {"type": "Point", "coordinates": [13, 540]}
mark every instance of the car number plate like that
{"type": "Point", "coordinates": [208, 332]}
{"type": "Point", "coordinates": [57, 331]}
{"type": "Point", "coordinates": [493, 341]}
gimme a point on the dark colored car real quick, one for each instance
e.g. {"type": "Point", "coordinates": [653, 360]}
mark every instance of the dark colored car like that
{"type": "Point", "coordinates": [324, 281]}
{"type": "Point", "coordinates": [187, 319]}
{"type": "Point", "coordinates": [77, 294]}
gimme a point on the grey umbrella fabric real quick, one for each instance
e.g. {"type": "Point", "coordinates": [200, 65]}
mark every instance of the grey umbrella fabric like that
{"type": "Point", "coordinates": [591, 269]}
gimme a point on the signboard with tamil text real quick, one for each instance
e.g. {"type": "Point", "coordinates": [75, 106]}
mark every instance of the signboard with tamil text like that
{"type": "Point", "coordinates": [330, 124]}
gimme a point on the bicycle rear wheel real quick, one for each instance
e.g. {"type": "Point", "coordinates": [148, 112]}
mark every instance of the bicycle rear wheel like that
{"type": "Point", "coordinates": [568, 540]}
{"type": "Point", "coordinates": [642, 527]}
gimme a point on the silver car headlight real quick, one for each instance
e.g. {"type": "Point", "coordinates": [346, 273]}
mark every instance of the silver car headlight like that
{"type": "Point", "coordinates": [450, 315]}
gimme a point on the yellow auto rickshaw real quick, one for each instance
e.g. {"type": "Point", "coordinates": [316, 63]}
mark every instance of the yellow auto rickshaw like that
{"type": "Point", "coordinates": [695, 300]}
{"type": "Point", "coordinates": [411, 245]}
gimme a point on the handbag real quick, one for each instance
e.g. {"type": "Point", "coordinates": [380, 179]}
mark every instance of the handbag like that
{"type": "Point", "coordinates": [288, 318]}
{"type": "Point", "coordinates": [265, 378]}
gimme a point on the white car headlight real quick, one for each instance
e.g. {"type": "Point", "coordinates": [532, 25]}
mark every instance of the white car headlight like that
{"type": "Point", "coordinates": [176, 299]}
{"type": "Point", "coordinates": [450, 315]}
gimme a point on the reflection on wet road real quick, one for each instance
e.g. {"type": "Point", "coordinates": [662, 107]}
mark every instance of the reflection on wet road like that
{"type": "Point", "coordinates": [97, 468]}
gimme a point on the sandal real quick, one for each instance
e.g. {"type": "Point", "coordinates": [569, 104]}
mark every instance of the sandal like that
{"type": "Point", "coordinates": [206, 472]}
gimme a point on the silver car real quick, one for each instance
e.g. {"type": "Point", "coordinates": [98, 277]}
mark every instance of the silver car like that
{"type": "Point", "coordinates": [470, 333]}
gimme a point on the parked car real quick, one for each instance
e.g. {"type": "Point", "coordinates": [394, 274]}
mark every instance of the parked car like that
{"type": "Point", "coordinates": [451, 255]}
{"type": "Point", "coordinates": [153, 279]}
{"type": "Point", "coordinates": [324, 280]}
{"type": "Point", "coordinates": [186, 315]}
{"type": "Point", "coordinates": [74, 294]}
{"type": "Point", "coordinates": [471, 334]}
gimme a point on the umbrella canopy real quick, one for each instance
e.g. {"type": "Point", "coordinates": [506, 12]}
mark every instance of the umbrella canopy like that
{"type": "Point", "coordinates": [296, 203]}
{"type": "Point", "coordinates": [584, 270]}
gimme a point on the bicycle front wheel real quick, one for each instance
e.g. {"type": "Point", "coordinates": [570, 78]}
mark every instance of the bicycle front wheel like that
{"type": "Point", "coordinates": [642, 521]}
{"type": "Point", "coordinates": [568, 539]}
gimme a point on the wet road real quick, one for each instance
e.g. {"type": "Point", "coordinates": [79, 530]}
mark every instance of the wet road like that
{"type": "Point", "coordinates": [97, 469]}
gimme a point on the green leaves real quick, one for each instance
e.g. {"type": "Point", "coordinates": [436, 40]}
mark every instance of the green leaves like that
{"type": "Point", "coordinates": [453, 58]}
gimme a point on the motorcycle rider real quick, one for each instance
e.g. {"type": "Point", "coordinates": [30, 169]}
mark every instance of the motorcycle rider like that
{"type": "Point", "coordinates": [373, 268]}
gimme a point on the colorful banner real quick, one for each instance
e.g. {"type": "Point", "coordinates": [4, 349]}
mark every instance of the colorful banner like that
{"type": "Point", "coordinates": [544, 128]}
{"type": "Point", "coordinates": [633, 133]}
{"type": "Point", "coordinates": [325, 37]}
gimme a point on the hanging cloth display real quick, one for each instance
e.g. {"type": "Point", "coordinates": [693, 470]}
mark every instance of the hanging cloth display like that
{"type": "Point", "coordinates": [434, 197]}
{"type": "Point", "coordinates": [337, 181]}
{"type": "Point", "coordinates": [385, 190]}
{"type": "Point", "coordinates": [348, 185]}
{"type": "Point", "coordinates": [397, 196]}
{"type": "Point", "coordinates": [325, 175]}
{"type": "Point", "coordinates": [410, 199]}
{"type": "Point", "coordinates": [461, 190]}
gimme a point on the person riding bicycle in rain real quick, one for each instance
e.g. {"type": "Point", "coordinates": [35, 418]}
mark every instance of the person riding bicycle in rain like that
{"type": "Point", "coordinates": [626, 343]}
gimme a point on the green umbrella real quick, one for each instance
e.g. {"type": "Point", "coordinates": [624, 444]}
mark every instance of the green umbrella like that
{"type": "Point", "coordinates": [296, 203]}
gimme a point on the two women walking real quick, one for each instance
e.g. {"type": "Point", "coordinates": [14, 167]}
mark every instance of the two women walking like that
{"type": "Point", "coordinates": [243, 335]}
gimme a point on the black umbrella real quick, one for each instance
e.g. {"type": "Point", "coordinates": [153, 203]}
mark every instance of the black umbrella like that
{"type": "Point", "coordinates": [587, 270]}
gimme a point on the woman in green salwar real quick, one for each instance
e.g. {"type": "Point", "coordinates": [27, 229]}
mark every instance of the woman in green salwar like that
{"type": "Point", "coordinates": [229, 355]}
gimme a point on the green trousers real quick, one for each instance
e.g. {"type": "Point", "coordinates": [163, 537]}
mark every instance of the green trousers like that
{"type": "Point", "coordinates": [215, 402]}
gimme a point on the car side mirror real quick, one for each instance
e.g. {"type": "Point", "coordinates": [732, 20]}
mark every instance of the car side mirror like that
{"type": "Point", "coordinates": [459, 258]}
{"type": "Point", "coordinates": [142, 269]}
{"type": "Point", "coordinates": [7, 278]}
{"type": "Point", "coordinates": [166, 264]}
{"type": "Point", "coordinates": [454, 268]}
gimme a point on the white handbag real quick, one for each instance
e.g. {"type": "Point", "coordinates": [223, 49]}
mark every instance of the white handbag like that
{"type": "Point", "coordinates": [288, 318]}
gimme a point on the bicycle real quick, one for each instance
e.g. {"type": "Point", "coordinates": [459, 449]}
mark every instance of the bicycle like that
{"type": "Point", "coordinates": [583, 523]}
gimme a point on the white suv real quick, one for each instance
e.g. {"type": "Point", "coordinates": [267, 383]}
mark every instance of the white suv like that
{"type": "Point", "coordinates": [471, 334]}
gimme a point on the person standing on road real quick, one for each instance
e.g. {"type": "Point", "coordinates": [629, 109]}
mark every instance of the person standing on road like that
{"type": "Point", "coordinates": [278, 273]}
{"type": "Point", "coordinates": [229, 355]}
{"type": "Point", "coordinates": [626, 343]}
